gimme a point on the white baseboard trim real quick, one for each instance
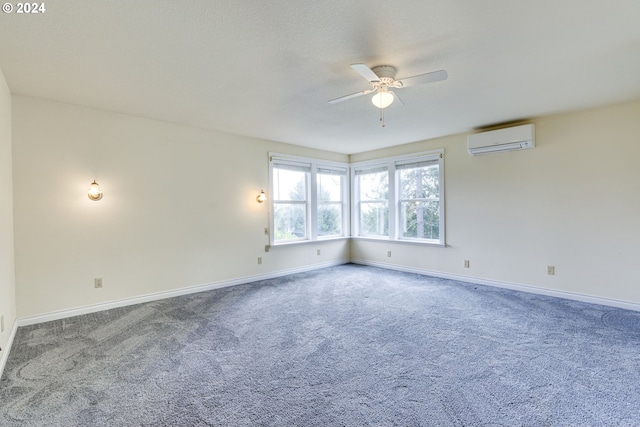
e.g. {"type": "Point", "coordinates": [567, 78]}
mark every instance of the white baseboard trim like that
{"type": "Point", "coordinates": [77, 311]}
{"type": "Point", "coordinates": [5, 351]}
{"type": "Point", "coordinates": [610, 302]}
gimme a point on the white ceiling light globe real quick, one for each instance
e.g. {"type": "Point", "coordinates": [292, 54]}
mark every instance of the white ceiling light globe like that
{"type": "Point", "coordinates": [382, 99]}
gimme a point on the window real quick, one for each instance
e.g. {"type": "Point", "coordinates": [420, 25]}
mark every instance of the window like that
{"type": "Point", "coordinates": [331, 189]}
{"type": "Point", "coordinates": [419, 199]}
{"type": "Point", "coordinates": [372, 187]}
{"type": "Point", "coordinates": [308, 199]}
{"type": "Point", "coordinates": [290, 200]}
{"type": "Point", "coordinates": [400, 198]}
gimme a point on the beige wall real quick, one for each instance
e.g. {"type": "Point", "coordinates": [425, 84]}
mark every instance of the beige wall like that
{"type": "Point", "coordinates": [179, 207]}
{"type": "Point", "coordinates": [572, 202]}
{"type": "Point", "coordinates": [178, 210]}
{"type": "Point", "coordinates": [7, 280]}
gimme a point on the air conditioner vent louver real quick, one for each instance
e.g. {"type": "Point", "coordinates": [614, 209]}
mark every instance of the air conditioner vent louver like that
{"type": "Point", "coordinates": [507, 139]}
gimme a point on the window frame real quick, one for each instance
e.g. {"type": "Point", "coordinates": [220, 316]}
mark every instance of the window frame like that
{"type": "Point", "coordinates": [312, 197]}
{"type": "Point", "coordinates": [322, 168]}
{"type": "Point", "coordinates": [357, 202]}
{"type": "Point", "coordinates": [405, 165]}
{"type": "Point", "coordinates": [300, 166]}
{"type": "Point", "coordinates": [395, 226]}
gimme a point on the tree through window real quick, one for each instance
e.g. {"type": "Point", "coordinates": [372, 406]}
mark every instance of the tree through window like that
{"type": "Point", "coordinates": [290, 201]}
{"type": "Point", "coordinates": [372, 188]}
{"type": "Point", "coordinates": [419, 199]}
{"type": "Point", "coordinates": [331, 189]}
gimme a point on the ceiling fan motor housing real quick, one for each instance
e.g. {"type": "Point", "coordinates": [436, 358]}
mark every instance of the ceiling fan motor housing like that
{"type": "Point", "coordinates": [383, 71]}
{"type": "Point", "coordinates": [387, 75]}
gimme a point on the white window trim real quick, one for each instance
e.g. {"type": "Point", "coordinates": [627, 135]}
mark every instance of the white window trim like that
{"type": "Point", "coordinates": [337, 167]}
{"type": "Point", "coordinates": [355, 202]}
{"type": "Point", "coordinates": [394, 202]}
{"type": "Point", "coordinates": [312, 186]}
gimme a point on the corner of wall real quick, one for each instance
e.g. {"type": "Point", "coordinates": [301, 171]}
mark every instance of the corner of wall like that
{"type": "Point", "coordinates": [7, 262]}
{"type": "Point", "coordinates": [6, 348]}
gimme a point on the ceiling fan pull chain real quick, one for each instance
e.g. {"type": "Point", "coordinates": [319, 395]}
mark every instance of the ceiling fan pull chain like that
{"type": "Point", "coordinates": [382, 116]}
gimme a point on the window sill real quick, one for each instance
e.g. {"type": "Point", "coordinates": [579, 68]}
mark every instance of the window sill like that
{"type": "Point", "coordinates": [369, 239]}
{"type": "Point", "coordinates": [303, 242]}
{"type": "Point", "coordinates": [400, 241]}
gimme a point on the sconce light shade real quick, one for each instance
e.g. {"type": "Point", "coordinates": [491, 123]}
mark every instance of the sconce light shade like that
{"type": "Point", "coordinates": [261, 197]}
{"type": "Point", "coordinates": [94, 191]}
{"type": "Point", "coordinates": [382, 99]}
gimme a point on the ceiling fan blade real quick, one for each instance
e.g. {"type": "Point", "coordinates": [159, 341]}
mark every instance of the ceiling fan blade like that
{"type": "Point", "coordinates": [434, 76]}
{"type": "Point", "coordinates": [353, 95]}
{"type": "Point", "coordinates": [395, 95]}
{"type": "Point", "coordinates": [366, 72]}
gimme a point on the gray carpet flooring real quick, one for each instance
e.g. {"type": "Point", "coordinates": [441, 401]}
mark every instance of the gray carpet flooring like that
{"type": "Point", "coordinates": [343, 346]}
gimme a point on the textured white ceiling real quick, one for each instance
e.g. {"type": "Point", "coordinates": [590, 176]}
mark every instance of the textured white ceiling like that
{"type": "Point", "coordinates": [267, 68]}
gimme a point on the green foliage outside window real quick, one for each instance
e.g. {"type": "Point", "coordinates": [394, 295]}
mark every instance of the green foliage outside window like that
{"type": "Point", "coordinates": [330, 203]}
{"type": "Point", "coordinates": [290, 207]}
{"type": "Point", "coordinates": [419, 202]}
{"type": "Point", "coordinates": [374, 203]}
{"type": "Point", "coordinates": [292, 201]}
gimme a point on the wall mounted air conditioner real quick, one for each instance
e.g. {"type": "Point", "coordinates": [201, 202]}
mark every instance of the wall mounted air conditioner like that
{"type": "Point", "coordinates": [506, 139]}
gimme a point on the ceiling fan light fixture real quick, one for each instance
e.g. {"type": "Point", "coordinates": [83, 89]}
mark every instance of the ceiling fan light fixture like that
{"type": "Point", "coordinates": [382, 99]}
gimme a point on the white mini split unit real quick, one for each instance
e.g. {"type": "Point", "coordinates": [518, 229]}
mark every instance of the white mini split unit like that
{"type": "Point", "coordinates": [506, 139]}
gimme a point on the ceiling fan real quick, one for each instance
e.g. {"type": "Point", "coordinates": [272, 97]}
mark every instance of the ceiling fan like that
{"type": "Point", "coordinates": [382, 79]}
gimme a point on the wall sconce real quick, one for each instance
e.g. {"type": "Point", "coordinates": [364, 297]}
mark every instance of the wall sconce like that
{"type": "Point", "coordinates": [260, 198]}
{"type": "Point", "coordinates": [94, 193]}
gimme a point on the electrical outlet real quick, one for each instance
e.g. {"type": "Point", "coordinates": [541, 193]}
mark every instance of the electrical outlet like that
{"type": "Point", "coordinates": [551, 270]}
{"type": "Point", "coordinates": [388, 254]}
{"type": "Point", "coordinates": [267, 248]}
{"type": "Point", "coordinates": [97, 282]}
{"type": "Point", "coordinates": [317, 251]}
{"type": "Point", "coordinates": [259, 260]}
{"type": "Point", "coordinates": [466, 263]}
